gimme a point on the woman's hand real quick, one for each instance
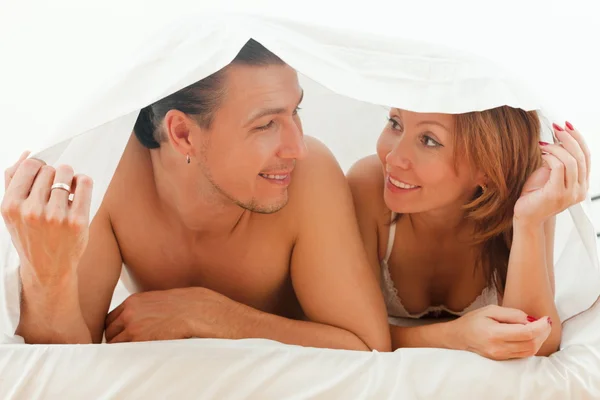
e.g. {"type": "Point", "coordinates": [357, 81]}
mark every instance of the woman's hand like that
{"type": "Point", "coordinates": [499, 333]}
{"type": "Point", "coordinates": [561, 182]}
{"type": "Point", "coordinates": [50, 232]}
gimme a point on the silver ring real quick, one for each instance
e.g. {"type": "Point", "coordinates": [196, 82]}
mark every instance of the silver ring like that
{"type": "Point", "coordinates": [62, 186]}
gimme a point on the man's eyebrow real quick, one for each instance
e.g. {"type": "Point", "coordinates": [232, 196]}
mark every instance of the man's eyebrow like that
{"type": "Point", "coordinates": [433, 123]}
{"type": "Point", "coordinates": [271, 111]}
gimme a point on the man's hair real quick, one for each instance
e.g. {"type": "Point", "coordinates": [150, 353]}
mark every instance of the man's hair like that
{"type": "Point", "coordinates": [199, 100]}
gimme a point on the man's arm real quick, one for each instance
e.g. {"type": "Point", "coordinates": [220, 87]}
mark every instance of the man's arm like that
{"type": "Point", "coordinates": [365, 179]}
{"type": "Point", "coordinates": [73, 310]}
{"type": "Point", "coordinates": [331, 276]}
{"type": "Point", "coordinates": [330, 272]}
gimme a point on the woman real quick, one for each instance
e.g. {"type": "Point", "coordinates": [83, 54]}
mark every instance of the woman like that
{"type": "Point", "coordinates": [457, 214]}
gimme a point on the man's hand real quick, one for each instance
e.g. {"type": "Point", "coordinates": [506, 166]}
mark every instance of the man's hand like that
{"type": "Point", "coordinates": [50, 232]}
{"type": "Point", "coordinates": [173, 314]}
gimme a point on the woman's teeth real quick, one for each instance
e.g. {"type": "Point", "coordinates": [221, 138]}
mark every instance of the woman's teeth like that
{"type": "Point", "coordinates": [402, 185]}
{"type": "Point", "coordinates": [278, 177]}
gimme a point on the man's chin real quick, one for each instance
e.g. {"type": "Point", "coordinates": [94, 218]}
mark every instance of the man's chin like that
{"type": "Point", "coordinates": [268, 207]}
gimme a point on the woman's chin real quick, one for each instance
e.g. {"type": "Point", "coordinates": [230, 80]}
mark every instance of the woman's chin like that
{"type": "Point", "coordinates": [403, 207]}
{"type": "Point", "coordinates": [403, 203]}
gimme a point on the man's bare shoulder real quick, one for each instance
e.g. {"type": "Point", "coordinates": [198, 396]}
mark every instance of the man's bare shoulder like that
{"type": "Point", "coordinates": [316, 176]}
{"type": "Point", "coordinates": [367, 181]}
{"type": "Point", "coordinates": [318, 155]}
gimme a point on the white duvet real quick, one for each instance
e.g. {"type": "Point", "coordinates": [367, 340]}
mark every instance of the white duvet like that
{"type": "Point", "coordinates": [123, 69]}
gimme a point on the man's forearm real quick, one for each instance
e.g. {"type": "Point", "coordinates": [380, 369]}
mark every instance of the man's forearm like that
{"type": "Point", "coordinates": [51, 314]}
{"type": "Point", "coordinates": [255, 324]}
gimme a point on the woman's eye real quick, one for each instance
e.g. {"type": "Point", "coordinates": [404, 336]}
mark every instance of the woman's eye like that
{"type": "Point", "coordinates": [296, 110]}
{"type": "Point", "coordinates": [395, 124]}
{"type": "Point", "coordinates": [429, 142]}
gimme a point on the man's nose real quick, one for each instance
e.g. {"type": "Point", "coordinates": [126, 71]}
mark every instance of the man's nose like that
{"type": "Point", "coordinates": [292, 142]}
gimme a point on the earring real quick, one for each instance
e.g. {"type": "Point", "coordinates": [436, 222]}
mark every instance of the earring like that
{"type": "Point", "coordinates": [187, 158]}
{"type": "Point", "coordinates": [483, 188]}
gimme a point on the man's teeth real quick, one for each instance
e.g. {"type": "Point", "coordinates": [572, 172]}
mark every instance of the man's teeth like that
{"type": "Point", "coordinates": [402, 185]}
{"type": "Point", "coordinates": [278, 177]}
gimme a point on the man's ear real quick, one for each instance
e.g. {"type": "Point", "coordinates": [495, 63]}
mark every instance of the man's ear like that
{"type": "Point", "coordinates": [178, 128]}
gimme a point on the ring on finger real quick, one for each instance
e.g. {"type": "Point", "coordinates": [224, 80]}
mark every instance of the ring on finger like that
{"type": "Point", "coordinates": [62, 186]}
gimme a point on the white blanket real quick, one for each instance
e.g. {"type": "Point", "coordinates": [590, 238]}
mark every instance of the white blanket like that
{"type": "Point", "coordinates": [88, 131]}
{"type": "Point", "coordinates": [259, 369]}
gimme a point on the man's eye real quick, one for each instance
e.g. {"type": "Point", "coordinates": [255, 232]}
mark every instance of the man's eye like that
{"type": "Point", "coordinates": [267, 126]}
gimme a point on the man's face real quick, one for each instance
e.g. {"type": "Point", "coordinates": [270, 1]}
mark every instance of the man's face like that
{"type": "Point", "coordinates": [255, 138]}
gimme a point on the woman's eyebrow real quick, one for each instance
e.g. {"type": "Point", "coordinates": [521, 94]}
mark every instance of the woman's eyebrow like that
{"type": "Point", "coordinates": [433, 123]}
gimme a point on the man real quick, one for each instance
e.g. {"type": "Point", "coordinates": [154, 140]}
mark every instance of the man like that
{"type": "Point", "coordinates": [231, 223]}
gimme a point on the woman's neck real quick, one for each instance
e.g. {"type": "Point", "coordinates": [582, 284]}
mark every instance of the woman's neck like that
{"type": "Point", "coordinates": [441, 225]}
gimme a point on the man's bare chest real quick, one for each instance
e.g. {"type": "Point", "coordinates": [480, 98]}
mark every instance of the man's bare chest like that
{"type": "Point", "coordinates": [251, 268]}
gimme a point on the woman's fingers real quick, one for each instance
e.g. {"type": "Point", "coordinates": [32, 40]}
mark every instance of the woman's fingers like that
{"type": "Point", "coordinates": [584, 148]}
{"type": "Point", "coordinates": [510, 341]}
{"type": "Point", "coordinates": [515, 332]}
{"type": "Point", "coordinates": [505, 315]}
{"type": "Point", "coordinates": [557, 175]}
{"type": "Point", "coordinates": [573, 147]}
{"type": "Point", "coordinates": [569, 165]}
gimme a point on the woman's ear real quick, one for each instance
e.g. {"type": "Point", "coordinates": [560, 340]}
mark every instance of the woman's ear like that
{"type": "Point", "coordinates": [178, 128]}
{"type": "Point", "coordinates": [481, 179]}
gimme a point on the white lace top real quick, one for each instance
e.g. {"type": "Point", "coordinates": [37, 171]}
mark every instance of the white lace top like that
{"type": "Point", "coordinates": [394, 305]}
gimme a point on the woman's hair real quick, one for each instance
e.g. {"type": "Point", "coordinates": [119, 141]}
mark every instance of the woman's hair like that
{"type": "Point", "coordinates": [502, 143]}
{"type": "Point", "coordinates": [200, 99]}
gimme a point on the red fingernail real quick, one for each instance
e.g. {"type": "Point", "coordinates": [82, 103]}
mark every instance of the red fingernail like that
{"type": "Point", "coordinates": [550, 321]}
{"type": "Point", "coordinates": [558, 128]}
{"type": "Point", "coordinates": [544, 144]}
{"type": "Point", "coordinates": [531, 319]}
{"type": "Point", "coordinates": [569, 125]}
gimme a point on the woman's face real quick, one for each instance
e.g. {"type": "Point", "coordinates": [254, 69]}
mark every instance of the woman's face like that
{"type": "Point", "coordinates": [417, 154]}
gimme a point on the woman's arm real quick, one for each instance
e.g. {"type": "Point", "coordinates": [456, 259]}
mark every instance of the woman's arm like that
{"type": "Point", "coordinates": [437, 335]}
{"type": "Point", "coordinates": [494, 332]}
{"type": "Point", "coordinates": [530, 278]}
{"type": "Point", "coordinates": [562, 181]}
{"type": "Point", "coordinates": [498, 333]}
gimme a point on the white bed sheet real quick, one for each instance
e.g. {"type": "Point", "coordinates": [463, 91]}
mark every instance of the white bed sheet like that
{"type": "Point", "coordinates": [260, 369]}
